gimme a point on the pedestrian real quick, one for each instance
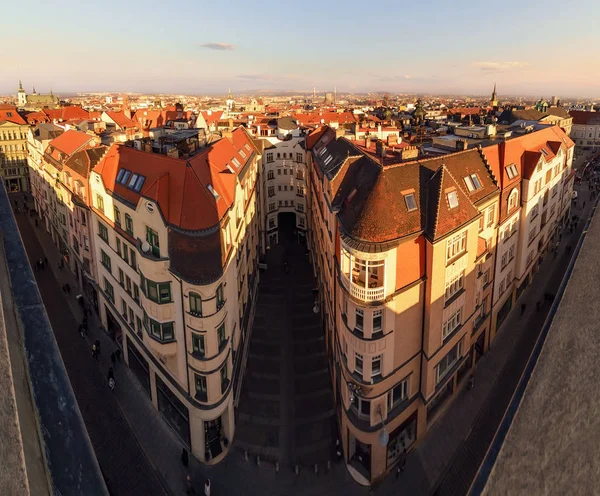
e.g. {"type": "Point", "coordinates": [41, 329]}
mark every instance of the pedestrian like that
{"type": "Point", "coordinates": [523, 307]}
{"type": "Point", "coordinates": [97, 343]}
{"type": "Point", "coordinates": [189, 486]}
{"type": "Point", "coordinates": [207, 487]}
{"type": "Point", "coordinates": [45, 261]}
{"type": "Point", "coordinates": [185, 458]}
{"type": "Point", "coordinates": [111, 373]}
{"type": "Point", "coordinates": [68, 288]}
{"type": "Point", "coordinates": [118, 355]}
{"type": "Point", "coordinates": [583, 206]}
{"type": "Point", "coordinates": [111, 383]}
{"type": "Point", "coordinates": [94, 352]}
{"type": "Point", "coordinates": [471, 381]}
{"type": "Point", "coordinates": [82, 330]}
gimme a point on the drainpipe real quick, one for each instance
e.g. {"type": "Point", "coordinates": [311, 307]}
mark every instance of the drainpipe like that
{"type": "Point", "coordinates": [187, 373]}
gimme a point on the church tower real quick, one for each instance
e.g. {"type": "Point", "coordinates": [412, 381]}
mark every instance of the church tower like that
{"type": "Point", "coordinates": [494, 101]}
{"type": "Point", "coordinates": [229, 102]}
{"type": "Point", "coordinates": [22, 97]}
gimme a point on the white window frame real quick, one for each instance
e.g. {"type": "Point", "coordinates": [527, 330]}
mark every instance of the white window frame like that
{"type": "Point", "coordinates": [455, 284]}
{"type": "Point", "coordinates": [456, 245]}
{"type": "Point", "coordinates": [446, 363]}
{"type": "Point", "coordinates": [452, 323]}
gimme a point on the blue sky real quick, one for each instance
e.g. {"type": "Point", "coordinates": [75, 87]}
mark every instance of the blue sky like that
{"type": "Point", "coordinates": [528, 47]}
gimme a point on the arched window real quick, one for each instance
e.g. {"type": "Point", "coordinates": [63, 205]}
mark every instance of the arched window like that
{"type": "Point", "coordinates": [196, 304]}
{"type": "Point", "coordinates": [513, 199]}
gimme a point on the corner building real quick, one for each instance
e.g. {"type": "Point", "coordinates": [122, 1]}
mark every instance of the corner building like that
{"type": "Point", "coordinates": [402, 251]}
{"type": "Point", "coordinates": [176, 243]}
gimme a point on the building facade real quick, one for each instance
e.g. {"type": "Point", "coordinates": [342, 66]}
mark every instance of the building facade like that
{"type": "Point", "coordinates": [586, 129]}
{"type": "Point", "coordinates": [13, 149]}
{"type": "Point", "coordinates": [177, 246]}
{"type": "Point", "coordinates": [400, 259]}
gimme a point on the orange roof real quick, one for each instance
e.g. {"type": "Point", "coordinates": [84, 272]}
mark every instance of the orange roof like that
{"type": "Point", "coordinates": [36, 118]}
{"type": "Point", "coordinates": [213, 117]}
{"type": "Point", "coordinates": [121, 119]}
{"type": "Point", "coordinates": [71, 141]}
{"type": "Point", "coordinates": [10, 114]}
{"type": "Point", "coordinates": [180, 187]}
{"type": "Point", "coordinates": [66, 114]}
{"type": "Point", "coordinates": [324, 117]}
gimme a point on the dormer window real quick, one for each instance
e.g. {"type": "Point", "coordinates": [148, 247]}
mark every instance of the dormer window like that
{"type": "Point", "coordinates": [513, 199]}
{"type": "Point", "coordinates": [212, 190]}
{"type": "Point", "coordinates": [512, 171]}
{"type": "Point", "coordinates": [544, 152]}
{"type": "Point", "coordinates": [473, 183]}
{"type": "Point", "coordinates": [411, 203]}
{"type": "Point", "coordinates": [236, 162]}
{"type": "Point", "coordinates": [328, 159]}
{"type": "Point", "coordinates": [452, 199]}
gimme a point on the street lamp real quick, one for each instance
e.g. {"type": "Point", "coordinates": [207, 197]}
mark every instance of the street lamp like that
{"type": "Point", "coordinates": [354, 391]}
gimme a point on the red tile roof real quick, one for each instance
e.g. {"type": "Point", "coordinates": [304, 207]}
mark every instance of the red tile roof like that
{"type": "Point", "coordinates": [180, 187]}
{"type": "Point", "coordinates": [71, 141]}
{"type": "Point", "coordinates": [10, 114]}
{"type": "Point", "coordinates": [583, 117]}
{"type": "Point", "coordinates": [319, 118]}
{"type": "Point", "coordinates": [36, 118]}
{"type": "Point", "coordinates": [121, 120]}
{"type": "Point", "coordinates": [67, 114]}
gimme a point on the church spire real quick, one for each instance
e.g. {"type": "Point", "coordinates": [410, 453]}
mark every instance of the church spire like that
{"type": "Point", "coordinates": [494, 100]}
{"type": "Point", "coordinates": [229, 97]}
{"type": "Point", "coordinates": [20, 85]}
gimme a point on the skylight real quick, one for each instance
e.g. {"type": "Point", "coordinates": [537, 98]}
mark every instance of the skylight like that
{"type": "Point", "coordinates": [328, 159]}
{"type": "Point", "coordinates": [247, 147]}
{"type": "Point", "coordinates": [544, 152]}
{"type": "Point", "coordinates": [411, 203]}
{"type": "Point", "coordinates": [123, 176]}
{"type": "Point", "coordinates": [473, 183]}
{"type": "Point", "coordinates": [230, 169]}
{"type": "Point", "coordinates": [212, 190]}
{"type": "Point", "coordinates": [236, 162]}
{"type": "Point", "coordinates": [512, 171]}
{"type": "Point", "coordinates": [322, 152]}
{"type": "Point", "coordinates": [242, 153]}
{"type": "Point", "coordinates": [452, 199]}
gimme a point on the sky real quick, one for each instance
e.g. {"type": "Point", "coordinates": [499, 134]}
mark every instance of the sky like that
{"type": "Point", "coordinates": [528, 47]}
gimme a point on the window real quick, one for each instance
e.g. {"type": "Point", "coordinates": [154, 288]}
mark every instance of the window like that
{"type": "Point", "coordinates": [398, 394]}
{"type": "Point", "coordinates": [138, 325]}
{"type": "Point", "coordinates": [532, 234]}
{"type": "Point", "coordinates": [242, 153]}
{"type": "Point", "coordinates": [136, 182]}
{"type": "Point", "coordinates": [123, 176]}
{"type": "Point", "coordinates": [152, 238]}
{"type": "Point", "coordinates": [298, 157]}
{"type": "Point", "coordinates": [128, 224]}
{"type": "Point", "coordinates": [454, 283]}
{"type": "Point", "coordinates": [481, 220]}
{"type": "Point", "coordinates": [222, 340]}
{"type": "Point", "coordinates": [269, 157]}
{"type": "Point", "coordinates": [125, 253]}
{"type": "Point", "coordinates": [511, 253]}
{"type": "Point", "coordinates": [489, 216]}
{"type": "Point", "coordinates": [157, 292]}
{"type": "Point", "coordinates": [198, 344]}
{"type": "Point", "coordinates": [103, 231]}
{"type": "Point", "coordinates": [124, 308]}
{"type": "Point", "coordinates": [362, 407]}
{"type": "Point", "coordinates": [473, 183]}
{"type": "Point", "coordinates": [359, 320]}
{"type": "Point", "coordinates": [164, 292]}
{"type": "Point", "coordinates": [512, 171]}
{"type": "Point", "coordinates": [272, 207]}
{"type": "Point", "coordinates": [118, 242]}
{"type": "Point", "coordinates": [456, 245]}
{"type": "Point", "coordinates": [117, 216]}
{"type": "Point", "coordinates": [131, 317]}
{"type": "Point", "coordinates": [451, 324]}
{"type": "Point", "coordinates": [452, 199]}
{"type": "Point", "coordinates": [512, 200]}
{"type": "Point", "coordinates": [224, 379]}
{"type": "Point", "coordinates": [108, 289]}
{"type": "Point", "coordinates": [535, 211]}
{"type": "Point", "coordinates": [200, 385]}
{"type": "Point", "coordinates": [270, 175]}
{"type": "Point", "coordinates": [159, 331]}
{"type": "Point", "coordinates": [410, 201]}
{"type": "Point", "coordinates": [376, 367]}
{"type": "Point", "coordinates": [196, 304]}
{"type": "Point", "coordinates": [220, 297]}
{"type": "Point", "coordinates": [377, 321]}
{"type": "Point", "coordinates": [448, 361]}
{"type": "Point", "coordinates": [300, 207]}
{"type": "Point", "coordinates": [99, 202]}
{"type": "Point", "coordinates": [121, 277]}
{"type": "Point", "coordinates": [504, 260]}
{"type": "Point", "coordinates": [105, 260]}
{"type": "Point", "coordinates": [279, 172]}
{"type": "Point", "coordinates": [133, 261]}
{"type": "Point", "coordinates": [537, 186]}
{"type": "Point", "coordinates": [358, 363]}
{"type": "Point", "coordinates": [501, 288]}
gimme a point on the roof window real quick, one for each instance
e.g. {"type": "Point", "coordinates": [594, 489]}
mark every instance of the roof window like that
{"type": "Point", "coordinates": [136, 182]}
{"type": "Point", "coordinates": [230, 169]}
{"type": "Point", "coordinates": [123, 176]}
{"type": "Point", "coordinates": [512, 171]}
{"type": "Point", "coordinates": [247, 147]}
{"type": "Point", "coordinates": [322, 152]}
{"type": "Point", "coordinates": [351, 195]}
{"type": "Point", "coordinates": [236, 162]}
{"type": "Point", "coordinates": [411, 203]}
{"type": "Point", "coordinates": [544, 152]}
{"type": "Point", "coordinates": [328, 159]}
{"type": "Point", "coordinates": [452, 199]}
{"type": "Point", "coordinates": [473, 183]}
{"type": "Point", "coordinates": [212, 190]}
{"type": "Point", "coordinates": [242, 153]}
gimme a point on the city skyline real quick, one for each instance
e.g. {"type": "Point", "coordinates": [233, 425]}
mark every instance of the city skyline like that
{"type": "Point", "coordinates": [425, 51]}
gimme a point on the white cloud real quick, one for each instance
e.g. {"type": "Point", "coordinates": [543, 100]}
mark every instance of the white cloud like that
{"type": "Point", "coordinates": [218, 46]}
{"type": "Point", "coordinates": [500, 66]}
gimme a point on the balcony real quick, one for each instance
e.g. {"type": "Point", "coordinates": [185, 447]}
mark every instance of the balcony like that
{"type": "Point", "coordinates": [359, 291]}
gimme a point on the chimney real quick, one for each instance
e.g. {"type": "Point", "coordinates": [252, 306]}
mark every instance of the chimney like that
{"type": "Point", "coordinates": [392, 139]}
{"type": "Point", "coordinates": [461, 145]}
{"type": "Point", "coordinates": [381, 148]}
{"type": "Point", "coordinates": [230, 123]}
{"type": "Point", "coordinates": [379, 133]}
{"type": "Point", "coordinates": [368, 141]}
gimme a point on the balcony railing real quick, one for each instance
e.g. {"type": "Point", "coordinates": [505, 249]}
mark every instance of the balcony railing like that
{"type": "Point", "coordinates": [361, 293]}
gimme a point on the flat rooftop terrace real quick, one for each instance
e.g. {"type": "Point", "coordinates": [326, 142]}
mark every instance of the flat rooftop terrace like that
{"type": "Point", "coordinates": [552, 445]}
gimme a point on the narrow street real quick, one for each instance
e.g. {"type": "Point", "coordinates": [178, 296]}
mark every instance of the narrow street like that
{"type": "Point", "coordinates": [122, 461]}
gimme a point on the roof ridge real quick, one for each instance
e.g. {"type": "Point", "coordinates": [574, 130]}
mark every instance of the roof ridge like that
{"type": "Point", "coordinates": [440, 181]}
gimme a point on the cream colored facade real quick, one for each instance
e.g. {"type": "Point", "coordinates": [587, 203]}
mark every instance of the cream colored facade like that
{"type": "Point", "coordinates": [13, 155]}
{"type": "Point", "coordinates": [186, 342]}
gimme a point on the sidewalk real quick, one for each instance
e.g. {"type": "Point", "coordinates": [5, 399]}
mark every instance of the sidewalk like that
{"type": "Point", "coordinates": [235, 476]}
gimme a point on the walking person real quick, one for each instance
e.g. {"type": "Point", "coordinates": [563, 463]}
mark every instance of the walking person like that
{"type": "Point", "coordinates": [118, 355]}
{"type": "Point", "coordinates": [207, 487]}
{"type": "Point", "coordinates": [185, 460]}
{"type": "Point", "coordinates": [189, 485]}
{"type": "Point", "coordinates": [94, 352]}
{"type": "Point", "coordinates": [45, 261]}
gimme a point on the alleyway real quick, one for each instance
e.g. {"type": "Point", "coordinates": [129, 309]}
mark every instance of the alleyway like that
{"type": "Point", "coordinates": [286, 410]}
